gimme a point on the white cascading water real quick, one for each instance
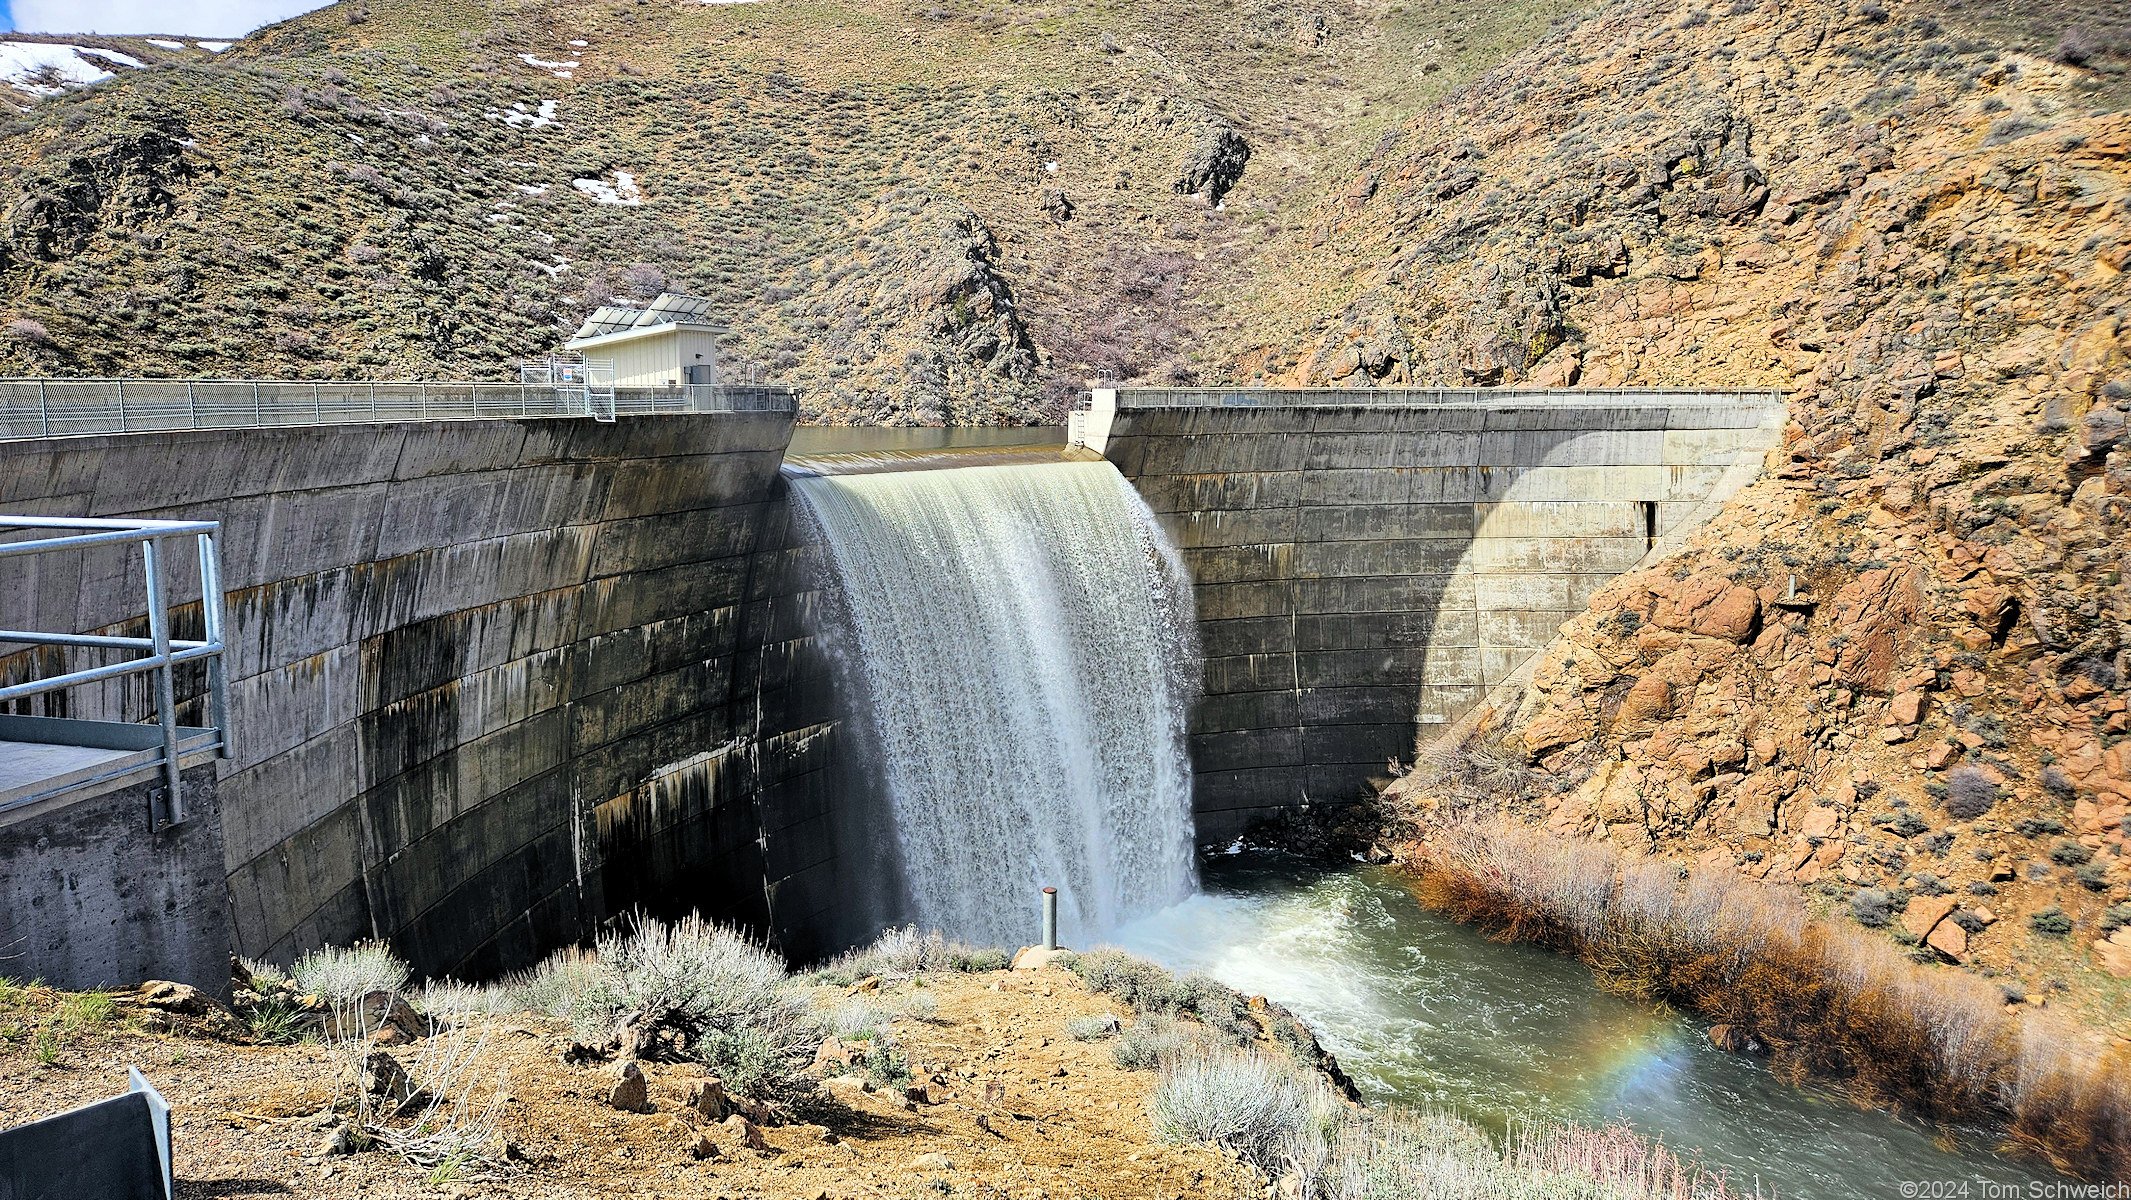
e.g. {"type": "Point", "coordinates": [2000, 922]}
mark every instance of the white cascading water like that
{"type": "Point", "coordinates": [1024, 643]}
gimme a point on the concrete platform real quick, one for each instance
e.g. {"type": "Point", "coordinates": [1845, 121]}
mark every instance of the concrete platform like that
{"type": "Point", "coordinates": [46, 760]}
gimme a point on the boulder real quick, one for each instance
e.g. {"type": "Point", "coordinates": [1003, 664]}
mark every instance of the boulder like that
{"type": "Point", "coordinates": [384, 1016]}
{"type": "Point", "coordinates": [1556, 727]}
{"type": "Point", "coordinates": [1819, 821]}
{"type": "Point", "coordinates": [2113, 953]}
{"type": "Point", "coordinates": [1949, 939]}
{"type": "Point", "coordinates": [832, 1053]}
{"type": "Point", "coordinates": [749, 1133]}
{"type": "Point", "coordinates": [1730, 616]}
{"type": "Point", "coordinates": [384, 1077]}
{"type": "Point", "coordinates": [180, 998]}
{"type": "Point", "coordinates": [707, 1096]}
{"type": "Point", "coordinates": [932, 1162]}
{"type": "Point", "coordinates": [1925, 912]}
{"type": "Point", "coordinates": [1729, 1038]}
{"type": "Point", "coordinates": [1649, 700]}
{"type": "Point", "coordinates": [338, 1140]}
{"type": "Point", "coordinates": [1709, 605]}
{"type": "Point", "coordinates": [1034, 958]}
{"type": "Point", "coordinates": [1906, 709]}
{"type": "Point", "coordinates": [701, 1147]}
{"type": "Point", "coordinates": [629, 1092]}
{"type": "Point", "coordinates": [1215, 163]}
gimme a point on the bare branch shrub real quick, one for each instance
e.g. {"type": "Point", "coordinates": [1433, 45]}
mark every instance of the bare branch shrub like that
{"type": "Point", "coordinates": [1970, 793]}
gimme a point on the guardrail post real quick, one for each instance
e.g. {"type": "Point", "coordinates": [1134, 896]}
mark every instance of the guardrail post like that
{"type": "Point", "coordinates": [44, 412]}
{"type": "Point", "coordinates": [317, 406]}
{"type": "Point", "coordinates": [171, 809]}
{"type": "Point", "coordinates": [122, 406]}
{"type": "Point", "coordinates": [256, 417]}
{"type": "Point", "coordinates": [192, 408]}
{"type": "Point", "coordinates": [211, 626]}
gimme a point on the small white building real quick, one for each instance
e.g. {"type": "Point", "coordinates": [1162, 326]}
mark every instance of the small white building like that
{"type": "Point", "coordinates": [667, 343]}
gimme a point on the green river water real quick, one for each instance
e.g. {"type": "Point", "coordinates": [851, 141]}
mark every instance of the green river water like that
{"type": "Point", "coordinates": [1426, 1012]}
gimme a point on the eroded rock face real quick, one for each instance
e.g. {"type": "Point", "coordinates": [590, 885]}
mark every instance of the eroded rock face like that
{"type": "Point", "coordinates": [973, 362]}
{"type": "Point", "coordinates": [124, 177]}
{"type": "Point", "coordinates": [1215, 164]}
{"type": "Point", "coordinates": [1931, 576]}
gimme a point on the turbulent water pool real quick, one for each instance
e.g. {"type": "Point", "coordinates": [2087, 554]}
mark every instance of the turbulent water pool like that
{"type": "Point", "coordinates": [1426, 1012]}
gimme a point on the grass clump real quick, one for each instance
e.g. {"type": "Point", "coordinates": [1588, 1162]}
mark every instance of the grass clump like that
{"type": "Point", "coordinates": [1148, 988]}
{"type": "Point", "coordinates": [1970, 793]}
{"type": "Point", "coordinates": [1093, 1027]}
{"type": "Point", "coordinates": [900, 954]}
{"type": "Point", "coordinates": [2051, 921]}
{"type": "Point", "coordinates": [1250, 1104]}
{"type": "Point", "coordinates": [2070, 854]}
{"type": "Point", "coordinates": [1871, 907]}
{"type": "Point", "coordinates": [343, 975]}
{"type": "Point", "coordinates": [1152, 1042]}
{"type": "Point", "coordinates": [1288, 1123]}
{"type": "Point", "coordinates": [690, 991]}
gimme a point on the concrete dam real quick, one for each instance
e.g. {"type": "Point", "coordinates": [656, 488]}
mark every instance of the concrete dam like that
{"type": "Point", "coordinates": [495, 683]}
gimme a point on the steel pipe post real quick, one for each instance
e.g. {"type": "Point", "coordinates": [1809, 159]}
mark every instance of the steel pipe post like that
{"type": "Point", "coordinates": [166, 695]}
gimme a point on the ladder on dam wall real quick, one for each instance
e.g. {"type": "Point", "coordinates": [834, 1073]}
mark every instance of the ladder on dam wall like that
{"type": "Point", "coordinates": [36, 408]}
{"type": "Point", "coordinates": [43, 757]}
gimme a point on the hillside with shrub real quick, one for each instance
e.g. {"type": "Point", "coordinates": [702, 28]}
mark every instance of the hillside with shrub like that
{"type": "Point", "coordinates": [914, 212]}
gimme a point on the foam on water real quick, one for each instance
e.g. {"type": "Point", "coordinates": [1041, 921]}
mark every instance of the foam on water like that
{"type": "Point", "coordinates": [1023, 642]}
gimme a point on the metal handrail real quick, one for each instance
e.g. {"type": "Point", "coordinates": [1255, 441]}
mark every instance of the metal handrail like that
{"type": "Point", "coordinates": [164, 652]}
{"type": "Point", "coordinates": [1271, 397]}
{"type": "Point", "coordinates": [38, 408]}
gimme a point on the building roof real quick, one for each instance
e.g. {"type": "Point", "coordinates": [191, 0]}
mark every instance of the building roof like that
{"type": "Point", "coordinates": [671, 310]}
{"type": "Point", "coordinates": [631, 334]}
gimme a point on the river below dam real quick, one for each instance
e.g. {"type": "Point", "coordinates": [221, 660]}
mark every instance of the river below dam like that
{"type": "Point", "coordinates": [1425, 1012]}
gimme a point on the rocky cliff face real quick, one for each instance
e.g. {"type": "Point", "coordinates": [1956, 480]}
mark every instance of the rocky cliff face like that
{"type": "Point", "coordinates": [1895, 670]}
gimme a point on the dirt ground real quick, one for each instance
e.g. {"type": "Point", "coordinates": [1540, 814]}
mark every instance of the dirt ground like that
{"type": "Point", "coordinates": [1063, 1121]}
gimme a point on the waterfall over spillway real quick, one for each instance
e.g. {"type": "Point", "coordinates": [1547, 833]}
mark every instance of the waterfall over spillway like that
{"type": "Point", "coordinates": [1021, 640]}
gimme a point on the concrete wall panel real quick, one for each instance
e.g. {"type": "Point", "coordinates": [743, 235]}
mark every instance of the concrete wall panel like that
{"type": "Point", "coordinates": [455, 647]}
{"type": "Point", "coordinates": [1366, 569]}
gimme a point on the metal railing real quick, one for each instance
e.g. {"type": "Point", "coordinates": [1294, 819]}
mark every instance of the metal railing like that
{"type": "Point", "coordinates": [1411, 397]}
{"type": "Point", "coordinates": [164, 652]}
{"type": "Point", "coordinates": [36, 408]}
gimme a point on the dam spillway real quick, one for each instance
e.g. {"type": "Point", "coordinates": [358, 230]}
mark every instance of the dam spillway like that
{"type": "Point", "coordinates": [496, 683]}
{"type": "Point", "coordinates": [1017, 642]}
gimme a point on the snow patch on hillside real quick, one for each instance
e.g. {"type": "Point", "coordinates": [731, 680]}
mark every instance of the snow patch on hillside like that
{"type": "Point", "coordinates": [622, 191]}
{"type": "Point", "coordinates": [518, 116]}
{"type": "Point", "coordinates": [49, 68]}
{"type": "Point", "coordinates": [560, 69]}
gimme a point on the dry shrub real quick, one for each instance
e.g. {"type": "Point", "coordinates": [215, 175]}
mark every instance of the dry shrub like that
{"type": "Point", "coordinates": [1829, 1000]}
{"type": "Point", "coordinates": [1482, 773]}
{"type": "Point", "coordinates": [2071, 1103]}
{"type": "Point", "coordinates": [1970, 793]}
